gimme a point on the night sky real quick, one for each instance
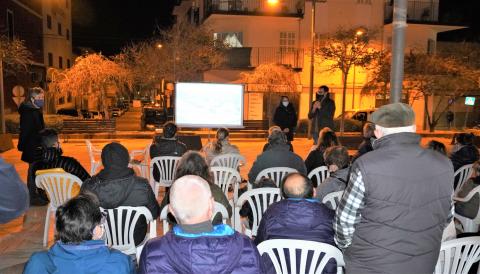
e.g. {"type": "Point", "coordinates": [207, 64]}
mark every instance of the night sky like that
{"type": "Point", "coordinates": [109, 25]}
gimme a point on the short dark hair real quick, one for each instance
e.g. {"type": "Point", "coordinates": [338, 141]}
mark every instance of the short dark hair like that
{"type": "Point", "coordinates": [337, 155]}
{"type": "Point", "coordinates": [465, 138]}
{"type": "Point", "coordinates": [193, 163]}
{"type": "Point", "coordinates": [324, 87]}
{"type": "Point", "coordinates": [437, 146]}
{"type": "Point", "coordinates": [77, 218]}
{"type": "Point", "coordinates": [303, 191]}
{"type": "Point", "coordinates": [368, 130]}
{"type": "Point", "coordinates": [327, 138]}
{"type": "Point", "coordinates": [169, 130]}
{"type": "Point", "coordinates": [277, 138]}
{"type": "Point", "coordinates": [49, 137]}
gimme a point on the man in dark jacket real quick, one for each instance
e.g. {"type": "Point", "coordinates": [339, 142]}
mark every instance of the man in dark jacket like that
{"type": "Point", "coordinates": [398, 200]}
{"type": "Point", "coordinates": [277, 155]}
{"type": "Point", "coordinates": [195, 245]}
{"type": "Point", "coordinates": [13, 193]}
{"type": "Point", "coordinates": [298, 216]}
{"type": "Point", "coordinates": [52, 157]}
{"type": "Point", "coordinates": [286, 117]}
{"type": "Point", "coordinates": [166, 145]}
{"type": "Point", "coordinates": [464, 151]}
{"type": "Point", "coordinates": [117, 185]}
{"type": "Point", "coordinates": [321, 112]}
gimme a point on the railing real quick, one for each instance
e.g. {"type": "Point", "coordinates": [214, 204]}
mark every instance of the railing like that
{"type": "Point", "coordinates": [294, 8]}
{"type": "Point", "coordinates": [425, 11]}
{"type": "Point", "coordinates": [252, 57]}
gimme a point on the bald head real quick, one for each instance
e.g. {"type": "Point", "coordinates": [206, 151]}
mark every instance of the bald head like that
{"type": "Point", "coordinates": [296, 185]}
{"type": "Point", "coordinates": [191, 200]}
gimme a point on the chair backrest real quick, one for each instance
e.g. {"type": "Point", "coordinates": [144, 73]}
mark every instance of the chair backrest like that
{"type": "Point", "coordinates": [59, 186]}
{"type": "Point", "coordinates": [224, 177]}
{"type": "Point", "coordinates": [320, 173]}
{"type": "Point", "coordinates": [462, 175]}
{"type": "Point", "coordinates": [219, 208]}
{"type": "Point", "coordinates": [167, 166]}
{"type": "Point", "coordinates": [469, 197]}
{"type": "Point", "coordinates": [275, 173]}
{"type": "Point", "coordinates": [231, 160]}
{"type": "Point", "coordinates": [333, 199]}
{"type": "Point", "coordinates": [120, 226]}
{"type": "Point", "coordinates": [259, 200]}
{"type": "Point", "coordinates": [319, 254]}
{"type": "Point", "coordinates": [457, 256]}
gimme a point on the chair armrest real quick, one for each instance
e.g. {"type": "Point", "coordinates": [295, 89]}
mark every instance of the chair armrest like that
{"type": "Point", "coordinates": [153, 229]}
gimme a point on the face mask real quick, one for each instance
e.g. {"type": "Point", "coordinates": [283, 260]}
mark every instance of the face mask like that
{"type": "Point", "coordinates": [39, 102]}
{"type": "Point", "coordinates": [319, 96]}
{"type": "Point", "coordinates": [285, 103]}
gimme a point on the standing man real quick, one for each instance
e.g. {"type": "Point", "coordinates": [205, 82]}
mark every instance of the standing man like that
{"type": "Point", "coordinates": [398, 200]}
{"type": "Point", "coordinates": [321, 112]}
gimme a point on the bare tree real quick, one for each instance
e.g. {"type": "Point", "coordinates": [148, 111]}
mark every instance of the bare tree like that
{"type": "Point", "coordinates": [344, 49]}
{"type": "Point", "coordinates": [379, 77]}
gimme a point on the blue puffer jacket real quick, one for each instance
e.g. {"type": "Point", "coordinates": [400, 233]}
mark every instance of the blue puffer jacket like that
{"type": "Point", "coordinates": [88, 257]}
{"type": "Point", "coordinates": [299, 219]}
{"type": "Point", "coordinates": [220, 251]}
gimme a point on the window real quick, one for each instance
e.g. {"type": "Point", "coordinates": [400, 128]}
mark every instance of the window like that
{"type": "Point", "coordinates": [60, 62]}
{"type": "Point", "coordinates": [68, 63]}
{"type": "Point", "coordinates": [50, 59]}
{"type": "Point", "coordinates": [232, 39]}
{"type": "Point", "coordinates": [59, 29]}
{"type": "Point", "coordinates": [10, 26]}
{"type": "Point", "coordinates": [49, 22]}
{"type": "Point", "coordinates": [287, 41]}
{"type": "Point", "coordinates": [68, 34]}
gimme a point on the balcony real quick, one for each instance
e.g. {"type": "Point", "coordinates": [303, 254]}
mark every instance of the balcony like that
{"type": "Point", "coordinates": [423, 12]}
{"type": "Point", "coordinates": [286, 8]}
{"type": "Point", "coordinates": [248, 57]}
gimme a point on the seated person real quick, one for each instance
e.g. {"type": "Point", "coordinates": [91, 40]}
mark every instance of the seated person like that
{"type": "Point", "coordinates": [220, 146]}
{"type": "Point", "coordinates": [13, 193]}
{"type": "Point", "coordinates": [193, 163]}
{"type": "Point", "coordinates": [166, 145]}
{"type": "Point", "coordinates": [117, 185]}
{"type": "Point", "coordinates": [270, 130]}
{"type": "Point", "coordinates": [80, 248]}
{"type": "Point", "coordinates": [326, 138]}
{"type": "Point", "coordinates": [278, 155]}
{"type": "Point", "coordinates": [195, 245]}
{"type": "Point", "coordinates": [437, 146]}
{"type": "Point", "coordinates": [51, 157]}
{"type": "Point", "coordinates": [299, 216]}
{"type": "Point", "coordinates": [368, 137]}
{"type": "Point", "coordinates": [337, 161]}
{"type": "Point", "coordinates": [464, 151]}
{"type": "Point", "coordinates": [469, 208]}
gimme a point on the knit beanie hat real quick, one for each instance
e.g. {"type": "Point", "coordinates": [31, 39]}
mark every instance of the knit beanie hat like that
{"type": "Point", "coordinates": [394, 115]}
{"type": "Point", "coordinates": [115, 156]}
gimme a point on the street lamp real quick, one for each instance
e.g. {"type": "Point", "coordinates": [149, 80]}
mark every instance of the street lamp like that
{"type": "Point", "coordinates": [360, 32]}
{"type": "Point", "coordinates": [272, 2]}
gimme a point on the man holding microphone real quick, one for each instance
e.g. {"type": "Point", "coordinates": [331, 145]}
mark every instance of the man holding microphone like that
{"type": "Point", "coordinates": [321, 112]}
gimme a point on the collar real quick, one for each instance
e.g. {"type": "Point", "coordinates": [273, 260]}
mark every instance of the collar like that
{"type": "Point", "coordinates": [403, 138]}
{"type": "Point", "coordinates": [86, 245]}
{"type": "Point", "coordinates": [311, 200]}
{"type": "Point", "coordinates": [203, 227]}
{"type": "Point", "coordinates": [217, 230]}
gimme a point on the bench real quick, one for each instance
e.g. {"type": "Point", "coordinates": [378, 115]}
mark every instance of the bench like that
{"type": "Point", "coordinates": [88, 126]}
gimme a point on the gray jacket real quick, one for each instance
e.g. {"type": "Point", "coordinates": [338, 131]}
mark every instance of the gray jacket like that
{"type": "Point", "coordinates": [336, 182]}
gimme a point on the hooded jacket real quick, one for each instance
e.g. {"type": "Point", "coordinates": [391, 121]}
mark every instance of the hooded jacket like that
{"type": "Point", "coordinates": [88, 257]}
{"type": "Point", "coordinates": [221, 251]}
{"type": "Point", "coordinates": [31, 123]}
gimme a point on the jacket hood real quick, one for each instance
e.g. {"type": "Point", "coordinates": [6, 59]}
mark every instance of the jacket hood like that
{"type": "Point", "coordinates": [90, 255]}
{"type": "Point", "coordinates": [112, 193]}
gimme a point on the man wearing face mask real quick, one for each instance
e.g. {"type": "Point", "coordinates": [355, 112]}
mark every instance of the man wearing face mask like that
{"type": "Point", "coordinates": [321, 112]}
{"type": "Point", "coordinates": [286, 117]}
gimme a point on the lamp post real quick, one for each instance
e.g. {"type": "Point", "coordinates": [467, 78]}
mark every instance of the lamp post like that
{"type": "Point", "coordinates": [358, 33]}
{"type": "Point", "coordinates": [399, 26]}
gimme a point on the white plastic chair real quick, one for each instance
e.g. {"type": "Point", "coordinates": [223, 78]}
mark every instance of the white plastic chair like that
{"type": "Point", "coordinates": [143, 165]}
{"type": "Point", "coordinates": [259, 200]}
{"type": "Point", "coordinates": [231, 160]}
{"type": "Point", "coordinates": [450, 232]}
{"type": "Point", "coordinates": [224, 177]}
{"type": "Point", "coordinates": [58, 186]}
{"type": "Point", "coordinates": [219, 208]}
{"type": "Point", "coordinates": [333, 199]}
{"type": "Point", "coordinates": [120, 228]}
{"type": "Point", "coordinates": [274, 173]}
{"type": "Point", "coordinates": [457, 256]}
{"type": "Point", "coordinates": [95, 155]}
{"type": "Point", "coordinates": [469, 225]}
{"type": "Point", "coordinates": [320, 173]}
{"type": "Point", "coordinates": [167, 166]}
{"type": "Point", "coordinates": [284, 247]}
{"type": "Point", "coordinates": [464, 173]}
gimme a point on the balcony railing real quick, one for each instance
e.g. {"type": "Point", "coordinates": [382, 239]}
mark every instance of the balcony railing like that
{"type": "Point", "coordinates": [247, 57]}
{"type": "Point", "coordinates": [291, 8]}
{"type": "Point", "coordinates": [425, 11]}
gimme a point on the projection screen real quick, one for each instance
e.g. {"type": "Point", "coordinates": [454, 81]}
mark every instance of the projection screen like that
{"type": "Point", "coordinates": [209, 105]}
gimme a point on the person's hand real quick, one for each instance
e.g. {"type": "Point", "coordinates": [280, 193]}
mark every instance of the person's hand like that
{"type": "Point", "coordinates": [316, 105]}
{"type": "Point", "coordinates": [286, 130]}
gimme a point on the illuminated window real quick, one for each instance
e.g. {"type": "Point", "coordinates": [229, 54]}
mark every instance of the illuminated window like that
{"type": "Point", "coordinates": [232, 39]}
{"type": "Point", "coordinates": [287, 41]}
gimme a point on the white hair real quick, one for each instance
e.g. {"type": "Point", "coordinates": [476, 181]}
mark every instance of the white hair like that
{"type": "Point", "coordinates": [393, 130]}
{"type": "Point", "coordinates": [190, 197]}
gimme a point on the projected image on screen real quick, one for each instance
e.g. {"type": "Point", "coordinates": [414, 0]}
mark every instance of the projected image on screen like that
{"type": "Point", "coordinates": [208, 105]}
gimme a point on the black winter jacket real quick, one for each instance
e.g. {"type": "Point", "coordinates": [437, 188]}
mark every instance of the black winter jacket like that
{"type": "Point", "coordinates": [286, 117]}
{"type": "Point", "coordinates": [31, 123]}
{"type": "Point", "coordinates": [129, 190]}
{"type": "Point", "coordinates": [464, 156]}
